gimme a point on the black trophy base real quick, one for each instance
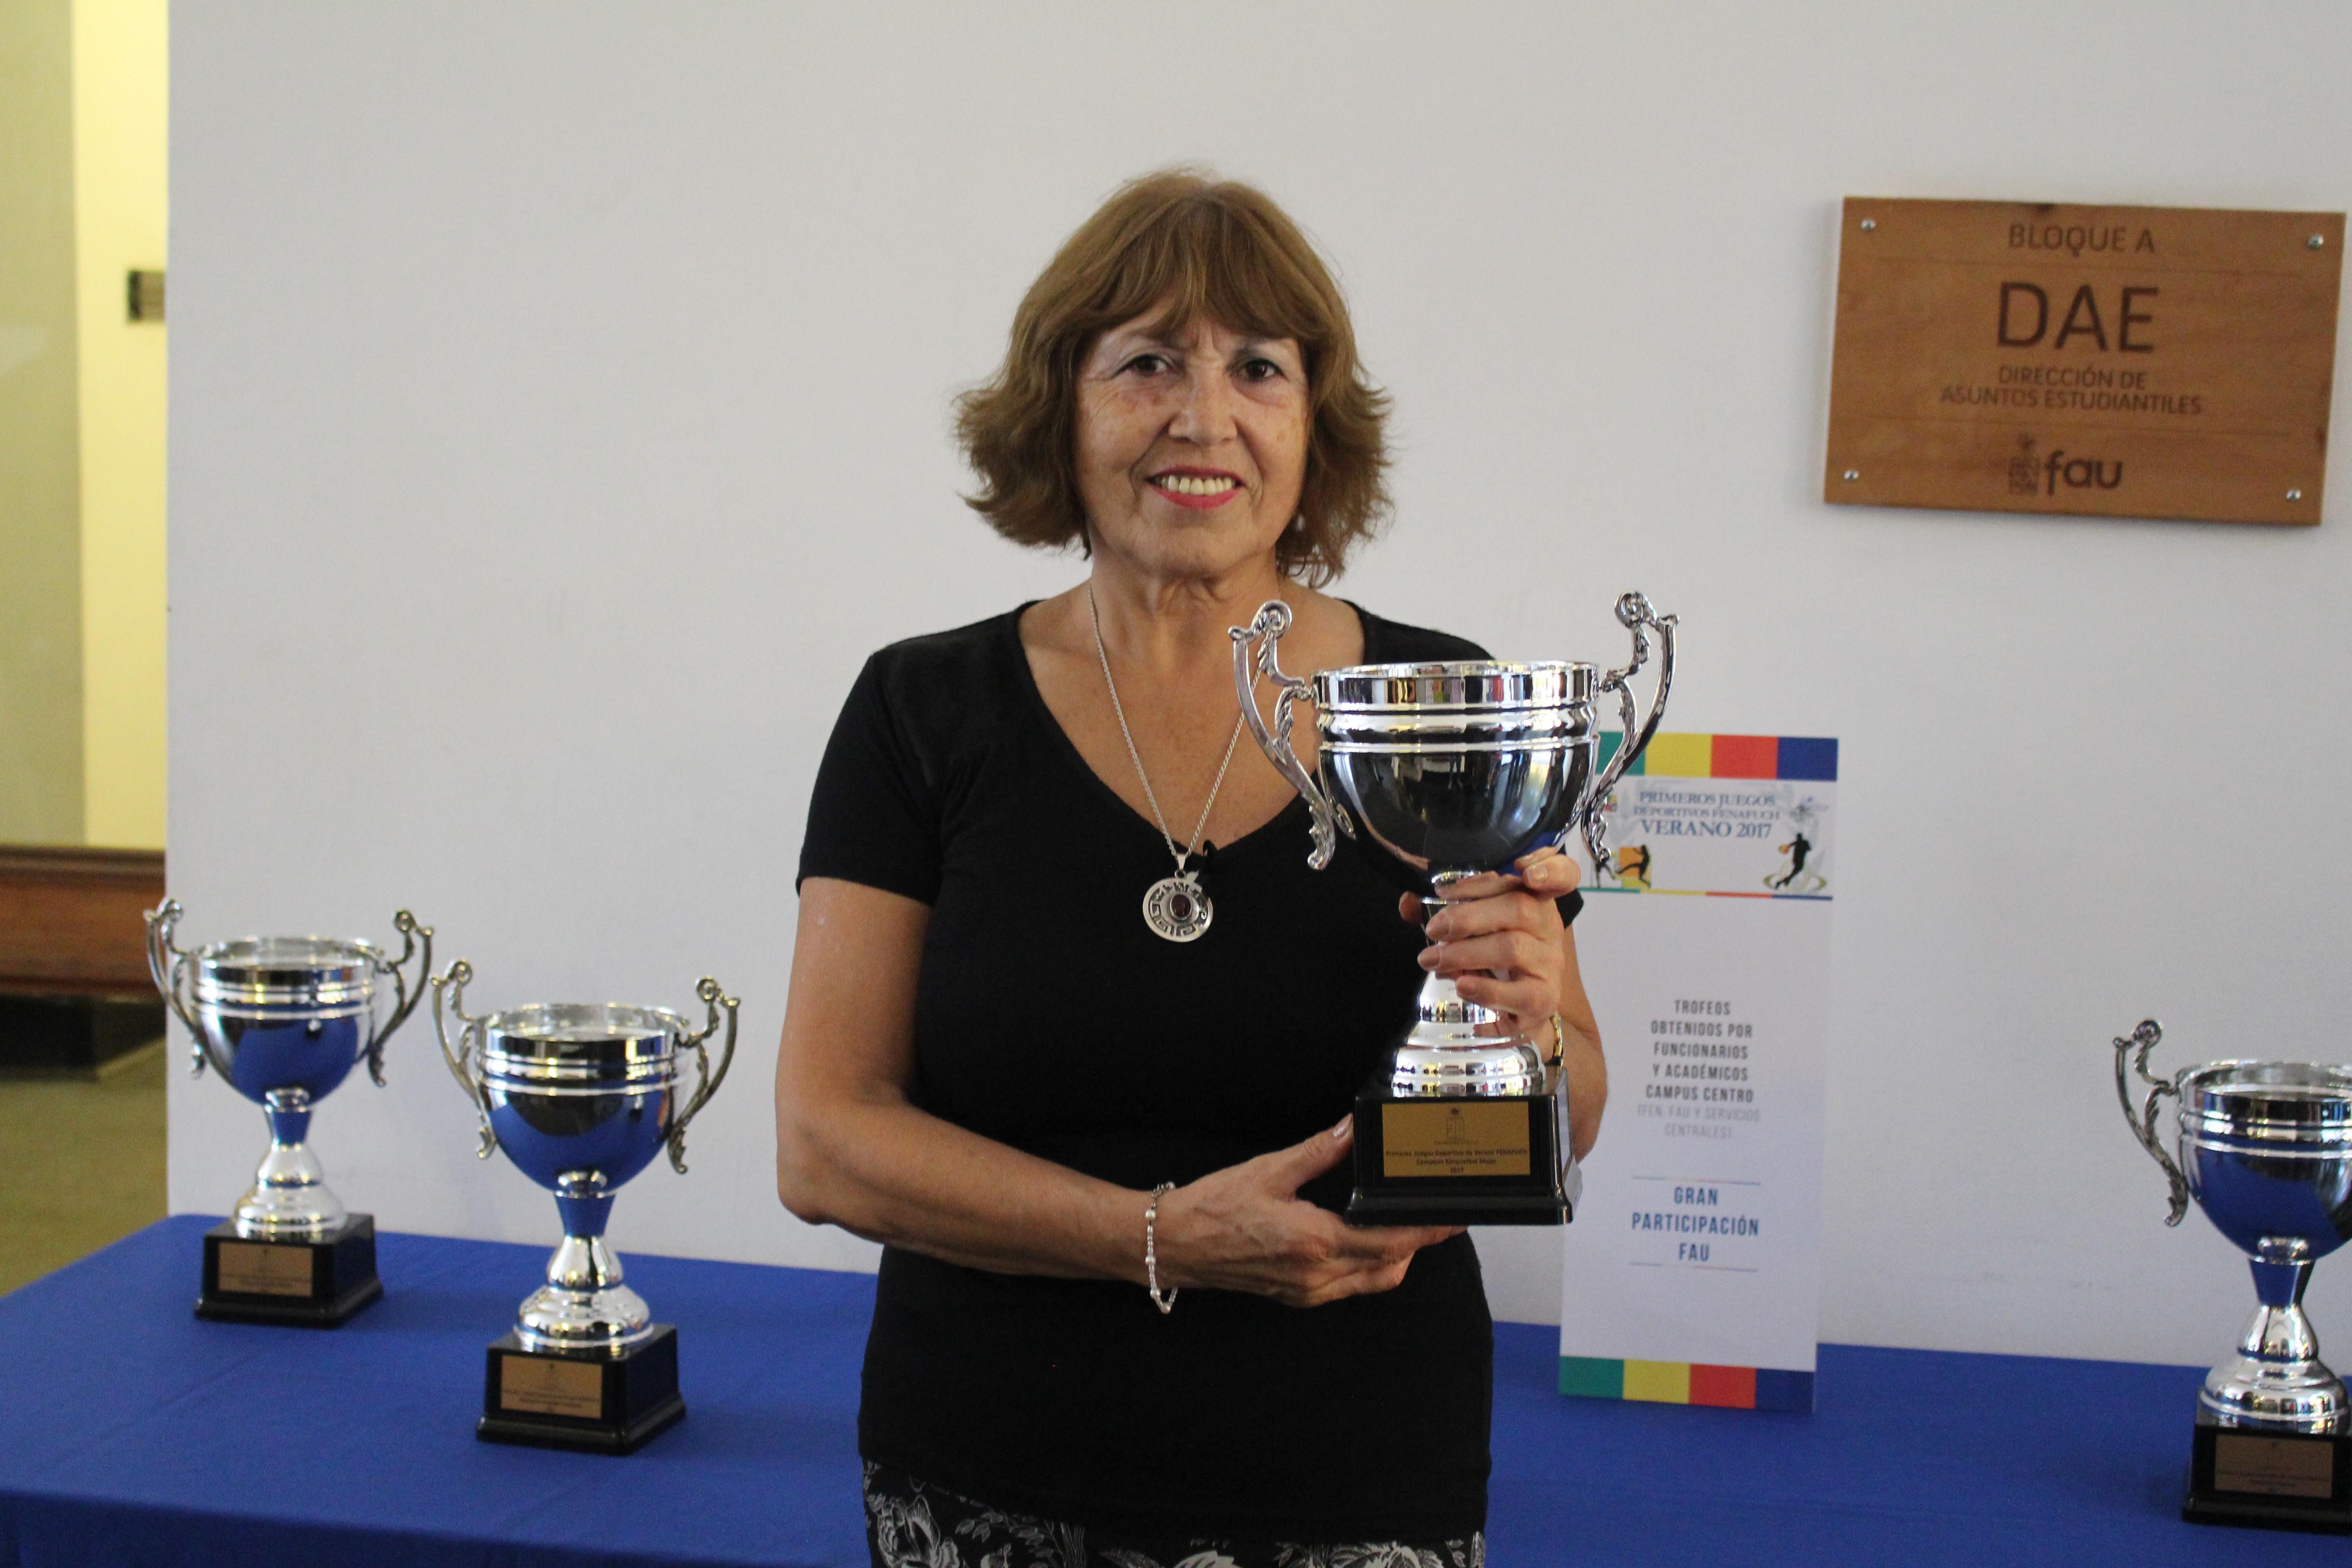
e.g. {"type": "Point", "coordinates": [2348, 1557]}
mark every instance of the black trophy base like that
{"type": "Point", "coordinates": [315, 1284]}
{"type": "Point", "coordinates": [2271, 1480]}
{"type": "Point", "coordinates": [1456, 1161]}
{"type": "Point", "coordinates": [596, 1401]}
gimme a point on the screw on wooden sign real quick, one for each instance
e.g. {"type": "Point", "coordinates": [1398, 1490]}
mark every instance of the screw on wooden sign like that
{"type": "Point", "coordinates": [2122, 362]}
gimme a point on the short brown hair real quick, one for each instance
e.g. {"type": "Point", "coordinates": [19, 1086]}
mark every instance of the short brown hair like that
{"type": "Point", "coordinates": [1206, 249]}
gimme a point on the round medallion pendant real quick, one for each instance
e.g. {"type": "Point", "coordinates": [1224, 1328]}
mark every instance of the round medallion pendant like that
{"type": "Point", "coordinates": [1176, 909]}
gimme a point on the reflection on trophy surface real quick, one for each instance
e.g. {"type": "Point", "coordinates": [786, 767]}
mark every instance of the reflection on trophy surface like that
{"type": "Point", "coordinates": [284, 1020]}
{"type": "Point", "coordinates": [1456, 768]}
{"type": "Point", "coordinates": [582, 1096]}
{"type": "Point", "coordinates": [2265, 1149]}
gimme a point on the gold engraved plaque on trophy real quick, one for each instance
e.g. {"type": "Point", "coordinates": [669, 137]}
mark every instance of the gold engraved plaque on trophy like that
{"type": "Point", "coordinates": [259, 1269]}
{"type": "Point", "coordinates": [2273, 1466]}
{"type": "Point", "coordinates": [1454, 1138]}
{"type": "Point", "coordinates": [545, 1385]}
{"type": "Point", "coordinates": [2115, 362]}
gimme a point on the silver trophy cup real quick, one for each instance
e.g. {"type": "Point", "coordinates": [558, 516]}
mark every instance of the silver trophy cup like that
{"type": "Point", "coordinates": [2265, 1149]}
{"type": "Point", "coordinates": [284, 1020]}
{"type": "Point", "coordinates": [1455, 768]}
{"type": "Point", "coordinates": [582, 1096]}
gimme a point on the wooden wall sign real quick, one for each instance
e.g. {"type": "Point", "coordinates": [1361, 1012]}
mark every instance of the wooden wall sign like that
{"type": "Point", "coordinates": [2122, 362]}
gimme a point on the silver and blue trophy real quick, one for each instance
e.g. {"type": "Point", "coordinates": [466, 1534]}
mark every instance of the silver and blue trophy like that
{"type": "Point", "coordinates": [283, 1020]}
{"type": "Point", "coordinates": [582, 1096]}
{"type": "Point", "coordinates": [1457, 768]}
{"type": "Point", "coordinates": [2265, 1149]}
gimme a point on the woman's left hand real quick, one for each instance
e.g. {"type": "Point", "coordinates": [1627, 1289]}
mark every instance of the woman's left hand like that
{"type": "Point", "coordinates": [1501, 942]}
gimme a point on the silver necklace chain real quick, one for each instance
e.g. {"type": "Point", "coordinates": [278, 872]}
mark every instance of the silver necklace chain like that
{"type": "Point", "coordinates": [1181, 857]}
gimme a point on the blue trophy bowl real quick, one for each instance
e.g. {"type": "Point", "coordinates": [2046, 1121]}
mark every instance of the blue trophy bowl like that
{"type": "Point", "coordinates": [285, 1012]}
{"type": "Point", "coordinates": [2267, 1149]}
{"type": "Point", "coordinates": [581, 1088]}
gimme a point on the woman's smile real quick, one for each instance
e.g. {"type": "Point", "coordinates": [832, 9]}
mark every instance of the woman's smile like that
{"type": "Point", "coordinates": [1200, 488]}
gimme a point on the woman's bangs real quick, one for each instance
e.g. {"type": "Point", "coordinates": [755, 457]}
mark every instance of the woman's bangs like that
{"type": "Point", "coordinates": [1214, 268]}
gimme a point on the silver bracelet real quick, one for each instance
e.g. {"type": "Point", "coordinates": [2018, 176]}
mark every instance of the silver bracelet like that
{"type": "Point", "coordinates": [1151, 1249]}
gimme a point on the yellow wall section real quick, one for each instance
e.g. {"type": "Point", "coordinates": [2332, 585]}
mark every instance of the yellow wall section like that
{"type": "Point", "coordinates": [120, 88]}
{"type": "Point", "coordinates": [40, 475]}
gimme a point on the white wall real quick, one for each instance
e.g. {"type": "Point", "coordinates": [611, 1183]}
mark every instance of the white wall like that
{"type": "Point", "coordinates": [559, 415]}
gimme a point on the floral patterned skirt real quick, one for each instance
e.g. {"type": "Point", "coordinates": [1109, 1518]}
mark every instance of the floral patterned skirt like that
{"type": "Point", "coordinates": [911, 1523]}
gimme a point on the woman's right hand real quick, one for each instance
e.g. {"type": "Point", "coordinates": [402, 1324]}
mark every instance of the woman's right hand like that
{"type": "Point", "coordinates": [1246, 1228]}
{"type": "Point", "coordinates": [852, 1149]}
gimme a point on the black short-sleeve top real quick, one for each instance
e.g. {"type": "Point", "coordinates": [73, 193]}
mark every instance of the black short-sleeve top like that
{"type": "Point", "coordinates": [1049, 1018]}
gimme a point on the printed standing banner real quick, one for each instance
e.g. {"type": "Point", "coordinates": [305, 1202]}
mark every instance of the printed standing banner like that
{"type": "Point", "coordinates": [1693, 1269]}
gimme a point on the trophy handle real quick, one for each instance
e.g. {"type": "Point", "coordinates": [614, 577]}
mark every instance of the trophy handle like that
{"type": "Point", "coordinates": [403, 999]}
{"type": "Point", "coordinates": [1634, 614]}
{"type": "Point", "coordinates": [2143, 1117]}
{"type": "Point", "coordinates": [707, 1082]}
{"type": "Point", "coordinates": [1329, 818]}
{"type": "Point", "coordinates": [469, 1043]}
{"type": "Point", "coordinates": [169, 965]}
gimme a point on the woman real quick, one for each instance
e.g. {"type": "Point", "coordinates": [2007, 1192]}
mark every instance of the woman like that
{"type": "Point", "coordinates": [1061, 1104]}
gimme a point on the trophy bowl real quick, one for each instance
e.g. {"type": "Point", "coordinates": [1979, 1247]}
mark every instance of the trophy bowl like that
{"type": "Point", "coordinates": [2264, 1148]}
{"type": "Point", "coordinates": [283, 1020]}
{"type": "Point", "coordinates": [582, 1096]}
{"type": "Point", "coordinates": [1456, 768]}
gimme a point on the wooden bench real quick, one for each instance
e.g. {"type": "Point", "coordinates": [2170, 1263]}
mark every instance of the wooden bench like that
{"type": "Point", "coordinates": [74, 986]}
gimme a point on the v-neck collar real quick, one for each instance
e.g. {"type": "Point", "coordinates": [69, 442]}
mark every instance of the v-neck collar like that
{"type": "Point", "coordinates": [1067, 750]}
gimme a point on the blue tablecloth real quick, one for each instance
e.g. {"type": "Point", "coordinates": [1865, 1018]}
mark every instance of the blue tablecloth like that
{"type": "Point", "coordinates": [131, 1433]}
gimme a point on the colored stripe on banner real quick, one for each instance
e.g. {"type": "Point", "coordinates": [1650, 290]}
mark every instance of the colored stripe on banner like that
{"type": "Point", "coordinates": [1687, 1382]}
{"type": "Point", "coordinates": [1789, 757]}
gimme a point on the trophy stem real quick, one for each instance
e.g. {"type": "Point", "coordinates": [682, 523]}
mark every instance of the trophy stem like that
{"type": "Point", "coordinates": [289, 1197]}
{"type": "Point", "coordinates": [1441, 1003]}
{"type": "Point", "coordinates": [2279, 1280]}
{"type": "Point", "coordinates": [583, 1305]}
{"type": "Point", "coordinates": [2279, 1334]}
{"type": "Point", "coordinates": [584, 1202]}
{"type": "Point", "coordinates": [582, 1261]}
{"type": "Point", "coordinates": [2277, 1378]}
{"type": "Point", "coordinates": [1444, 1055]}
{"type": "Point", "coordinates": [288, 1112]}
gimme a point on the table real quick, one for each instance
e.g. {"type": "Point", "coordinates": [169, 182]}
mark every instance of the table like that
{"type": "Point", "coordinates": [131, 1433]}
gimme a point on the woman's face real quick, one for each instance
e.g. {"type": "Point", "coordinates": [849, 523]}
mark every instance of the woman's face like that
{"type": "Point", "coordinates": [1191, 445]}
